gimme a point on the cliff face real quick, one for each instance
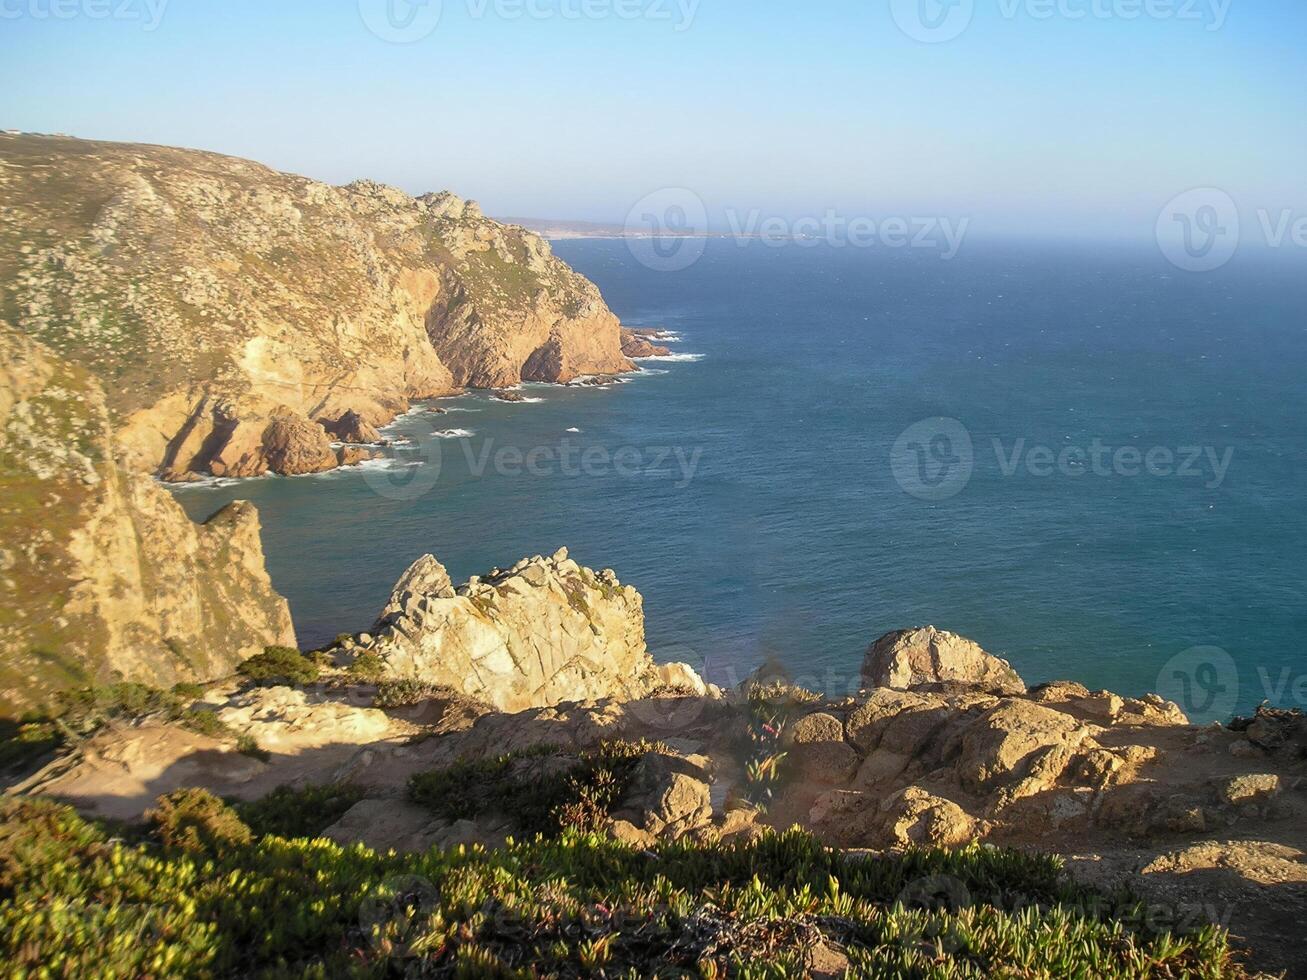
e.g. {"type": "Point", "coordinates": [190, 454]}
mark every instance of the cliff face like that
{"type": "Point", "coordinates": [223, 305]}
{"type": "Point", "coordinates": [102, 575]}
{"type": "Point", "coordinates": [543, 632]}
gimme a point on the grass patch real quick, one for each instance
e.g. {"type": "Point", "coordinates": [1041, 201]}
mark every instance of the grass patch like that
{"type": "Point", "coordinates": [407, 691]}
{"type": "Point", "coordinates": [279, 665]}
{"type": "Point", "coordinates": [303, 812]}
{"type": "Point", "coordinates": [367, 668]}
{"type": "Point", "coordinates": [73, 903]}
{"type": "Point", "coordinates": [248, 745]}
{"type": "Point", "coordinates": [544, 789]}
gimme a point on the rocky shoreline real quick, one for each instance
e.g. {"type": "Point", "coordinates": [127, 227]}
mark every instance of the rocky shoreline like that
{"type": "Point", "coordinates": [944, 746]}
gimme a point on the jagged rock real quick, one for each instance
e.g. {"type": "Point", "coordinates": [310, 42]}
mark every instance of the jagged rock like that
{"type": "Point", "coordinates": [383, 824]}
{"type": "Point", "coordinates": [352, 427]}
{"type": "Point", "coordinates": [635, 344]}
{"type": "Point", "coordinates": [846, 818]}
{"type": "Point", "coordinates": [1280, 732]}
{"type": "Point", "coordinates": [544, 632]}
{"type": "Point", "coordinates": [908, 658]}
{"type": "Point", "coordinates": [105, 577]}
{"type": "Point", "coordinates": [426, 577]}
{"type": "Point", "coordinates": [352, 455]}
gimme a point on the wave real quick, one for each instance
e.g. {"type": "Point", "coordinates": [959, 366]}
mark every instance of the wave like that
{"type": "Point", "coordinates": [453, 433]}
{"type": "Point", "coordinates": [379, 463]}
{"type": "Point", "coordinates": [210, 482]}
{"type": "Point", "coordinates": [672, 357]}
{"type": "Point", "coordinates": [573, 429]}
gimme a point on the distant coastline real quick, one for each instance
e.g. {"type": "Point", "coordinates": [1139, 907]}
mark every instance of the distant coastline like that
{"type": "Point", "coordinates": [557, 230]}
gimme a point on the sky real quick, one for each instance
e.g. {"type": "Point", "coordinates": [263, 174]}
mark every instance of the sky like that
{"type": "Point", "coordinates": [1061, 118]}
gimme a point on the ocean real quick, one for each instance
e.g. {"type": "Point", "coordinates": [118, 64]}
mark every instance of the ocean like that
{"type": "Point", "coordinates": [1088, 461]}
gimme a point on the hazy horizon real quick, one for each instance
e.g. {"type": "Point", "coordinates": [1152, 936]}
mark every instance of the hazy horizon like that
{"type": "Point", "coordinates": [1075, 119]}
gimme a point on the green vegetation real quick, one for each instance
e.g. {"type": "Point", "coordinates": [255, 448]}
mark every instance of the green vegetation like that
{"type": "Point", "coordinates": [79, 714]}
{"type": "Point", "coordinates": [303, 812]}
{"type": "Point", "coordinates": [73, 903]}
{"type": "Point", "coordinates": [544, 789]}
{"type": "Point", "coordinates": [280, 665]}
{"type": "Point", "coordinates": [248, 745]}
{"type": "Point", "coordinates": [367, 668]}
{"type": "Point", "coordinates": [407, 691]}
{"type": "Point", "coordinates": [196, 821]}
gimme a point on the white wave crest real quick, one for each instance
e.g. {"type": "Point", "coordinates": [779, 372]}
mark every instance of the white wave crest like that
{"type": "Point", "coordinates": [672, 357]}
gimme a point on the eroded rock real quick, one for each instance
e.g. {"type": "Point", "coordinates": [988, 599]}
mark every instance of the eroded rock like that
{"type": "Point", "coordinates": [910, 658]}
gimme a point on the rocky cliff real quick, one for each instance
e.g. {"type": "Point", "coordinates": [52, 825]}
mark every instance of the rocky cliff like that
{"type": "Point", "coordinates": [543, 632]}
{"type": "Point", "coordinates": [225, 306]}
{"type": "Point", "coordinates": [102, 575]}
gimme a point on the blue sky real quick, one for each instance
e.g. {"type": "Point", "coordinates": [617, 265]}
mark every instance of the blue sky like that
{"type": "Point", "coordinates": [1027, 121]}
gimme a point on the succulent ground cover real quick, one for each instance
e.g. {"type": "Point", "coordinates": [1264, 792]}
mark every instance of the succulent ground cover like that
{"type": "Point", "coordinates": [200, 894]}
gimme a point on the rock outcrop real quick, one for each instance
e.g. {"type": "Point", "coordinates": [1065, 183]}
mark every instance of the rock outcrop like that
{"type": "Point", "coordinates": [225, 306]}
{"type": "Point", "coordinates": [102, 575]}
{"type": "Point", "coordinates": [638, 343]}
{"type": "Point", "coordinates": [909, 658]}
{"type": "Point", "coordinates": [545, 631]}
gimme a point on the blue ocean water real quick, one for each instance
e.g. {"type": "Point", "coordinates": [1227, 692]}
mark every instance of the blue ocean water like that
{"type": "Point", "coordinates": [756, 497]}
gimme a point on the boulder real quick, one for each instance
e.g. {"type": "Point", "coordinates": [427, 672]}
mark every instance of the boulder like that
{"type": "Point", "coordinates": [915, 818]}
{"type": "Point", "coordinates": [353, 428]}
{"type": "Point", "coordinates": [293, 445]}
{"type": "Point", "coordinates": [872, 715]}
{"type": "Point", "coordinates": [818, 752]}
{"type": "Point", "coordinates": [636, 344]}
{"type": "Point", "coordinates": [352, 455]}
{"type": "Point", "coordinates": [1003, 745]}
{"type": "Point", "coordinates": [909, 658]}
{"type": "Point", "coordinates": [669, 796]}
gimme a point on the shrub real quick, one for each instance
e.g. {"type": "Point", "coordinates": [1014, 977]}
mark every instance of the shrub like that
{"type": "Point", "coordinates": [25, 743]}
{"type": "Point", "coordinates": [206, 722]}
{"type": "Point", "coordinates": [367, 668]}
{"type": "Point", "coordinates": [248, 745]}
{"type": "Point", "coordinates": [189, 692]}
{"type": "Point", "coordinates": [83, 712]}
{"type": "Point", "coordinates": [303, 812]}
{"type": "Point", "coordinates": [405, 692]}
{"type": "Point", "coordinates": [196, 821]}
{"type": "Point", "coordinates": [279, 665]}
{"type": "Point", "coordinates": [543, 789]}
{"type": "Point", "coordinates": [74, 904]}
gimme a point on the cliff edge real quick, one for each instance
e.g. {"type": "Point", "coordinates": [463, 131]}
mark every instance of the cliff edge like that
{"type": "Point", "coordinates": [235, 314]}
